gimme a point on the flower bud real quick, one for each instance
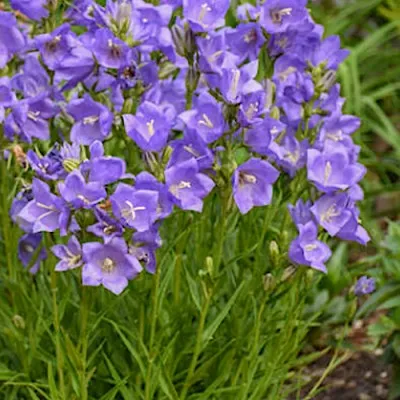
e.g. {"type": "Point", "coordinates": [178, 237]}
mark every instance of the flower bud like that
{"type": "Point", "coordinates": [275, 113]}
{"type": "Point", "coordinates": [192, 79]}
{"type": "Point", "coordinates": [288, 273]}
{"type": "Point", "coordinates": [269, 282]}
{"type": "Point", "coordinates": [328, 80]}
{"type": "Point", "coordinates": [178, 39]}
{"type": "Point", "coordinates": [128, 106]}
{"type": "Point", "coordinates": [210, 265]}
{"type": "Point", "coordinates": [18, 321]}
{"type": "Point", "coordinates": [274, 252]}
{"type": "Point", "coordinates": [189, 42]}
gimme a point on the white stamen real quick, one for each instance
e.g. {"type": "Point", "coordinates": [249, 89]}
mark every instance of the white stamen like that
{"type": "Point", "coordinates": [276, 15]}
{"type": "Point", "coordinates": [327, 173]}
{"type": "Point", "coordinates": [310, 247]}
{"type": "Point", "coordinates": [130, 212]}
{"type": "Point", "coordinates": [190, 150]}
{"type": "Point", "coordinates": [206, 121]}
{"type": "Point", "coordinates": [329, 214]}
{"type": "Point", "coordinates": [150, 127]}
{"type": "Point", "coordinates": [33, 115]}
{"type": "Point", "coordinates": [285, 74]}
{"type": "Point", "coordinates": [29, 248]}
{"type": "Point", "coordinates": [205, 8]}
{"type": "Point", "coordinates": [235, 83]}
{"type": "Point", "coordinates": [253, 108]}
{"type": "Point", "coordinates": [108, 265]}
{"type": "Point", "coordinates": [90, 120]}
{"type": "Point", "coordinates": [247, 178]}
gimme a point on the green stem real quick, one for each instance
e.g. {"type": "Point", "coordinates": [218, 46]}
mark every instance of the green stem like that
{"type": "Point", "coordinates": [197, 350]}
{"type": "Point", "coordinates": [154, 317]}
{"type": "Point", "coordinates": [83, 342]}
{"type": "Point", "coordinates": [221, 231]}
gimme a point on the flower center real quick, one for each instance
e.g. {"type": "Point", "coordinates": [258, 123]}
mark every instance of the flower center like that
{"type": "Point", "coordinates": [90, 120]}
{"type": "Point", "coordinates": [150, 127]}
{"type": "Point", "coordinates": [130, 212]}
{"type": "Point", "coordinates": [115, 49]}
{"type": "Point", "coordinates": [206, 121]}
{"type": "Point", "coordinates": [277, 15]}
{"type": "Point", "coordinates": [250, 36]}
{"type": "Point", "coordinates": [235, 83]}
{"type": "Point", "coordinates": [33, 115]}
{"type": "Point", "coordinates": [310, 247]}
{"type": "Point", "coordinates": [247, 178]}
{"type": "Point", "coordinates": [329, 214]}
{"type": "Point", "coordinates": [108, 265]}
{"type": "Point", "coordinates": [253, 109]}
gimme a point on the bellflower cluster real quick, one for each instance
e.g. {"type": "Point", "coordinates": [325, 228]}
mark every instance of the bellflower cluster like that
{"type": "Point", "coordinates": [174, 88]}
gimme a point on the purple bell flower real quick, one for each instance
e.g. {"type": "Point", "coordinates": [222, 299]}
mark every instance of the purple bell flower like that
{"type": "Point", "coordinates": [54, 46]}
{"type": "Point", "coordinates": [33, 9]}
{"type": "Point", "coordinates": [332, 170]}
{"type": "Point", "coordinates": [93, 120]}
{"type": "Point", "coordinates": [331, 212]}
{"type": "Point", "coordinates": [80, 194]}
{"type": "Point", "coordinates": [12, 39]}
{"type": "Point", "coordinates": [109, 265]}
{"type": "Point", "coordinates": [46, 211]}
{"type": "Point", "coordinates": [205, 15]}
{"type": "Point", "coordinates": [206, 119]}
{"type": "Point", "coordinates": [106, 227]}
{"type": "Point", "coordinates": [188, 186]}
{"type": "Point", "coordinates": [252, 184]}
{"type": "Point", "coordinates": [301, 212]}
{"type": "Point", "coordinates": [279, 15]}
{"type": "Point", "coordinates": [364, 286]}
{"type": "Point", "coordinates": [27, 246]}
{"type": "Point", "coordinates": [18, 203]}
{"type": "Point", "coordinates": [308, 250]}
{"type": "Point", "coordinates": [110, 52]}
{"type": "Point", "coordinates": [135, 208]}
{"type": "Point", "coordinates": [150, 127]}
{"type": "Point", "coordinates": [70, 255]}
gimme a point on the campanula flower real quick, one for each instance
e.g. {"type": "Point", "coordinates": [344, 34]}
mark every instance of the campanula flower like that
{"type": "Point", "coordinates": [252, 184]}
{"type": "Point", "coordinates": [150, 127]}
{"type": "Point", "coordinates": [33, 9]}
{"type": "Point", "coordinates": [106, 227]}
{"type": "Point", "coordinates": [80, 194]}
{"type": "Point", "coordinates": [301, 212]}
{"type": "Point", "coordinates": [135, 208]}
{"type": "Point", "coordinates": [28, 246]}
{"type": "Point", "coordinates": [93, 120]}
{"type": "Point", "coordinates": [188, 185]}
{"type": "Point", "coordinates": [364, 286]}
{"type": "Point", "coordinates": [15, 39]}
{"type": "Point", "coordinates": [306, 249]}
{"type": "Point", "coordinates": [70, 255]}
{"type": "Point", "coordinates": [109, 265]}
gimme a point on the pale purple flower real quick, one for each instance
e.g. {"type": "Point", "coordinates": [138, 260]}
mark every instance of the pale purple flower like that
{"type": "Point", "coordinates": [301, 212]}
{"type": "Point", "coordinates": [187, 185]}
{"type": "Point", "coordinates": [150, 127]}
{"type": "Point", "coordinates": [364, 286]}
{"type": "Point", "coordinates": [109, 265]}
{"type": "Point", "coordinates": [33, 9]}
{"type": "Point", "coordinates": [252, 184]}
{"type": "Point", "coordinates": [106, 227]}
{"type": "Point", "coordinates": [27, 247]}
{"type": "Point", "coordinates": [110, 52]}
{"type": "Point", "coordinates": [306, 249]}
{"type": "Point", "coordinates": [80, 194]}
{"type": "Point", "coordinates": [70, 255]}
{"type": "Point", "coordinates": [135, 208]}
{"type": "Point", "coordinates": [93, 120]}
{"type": "Point", "coordinates": [12, 39]}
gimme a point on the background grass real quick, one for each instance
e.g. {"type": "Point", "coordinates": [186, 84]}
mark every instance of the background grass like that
{"type": "Point", "coordinates": [202, 327]}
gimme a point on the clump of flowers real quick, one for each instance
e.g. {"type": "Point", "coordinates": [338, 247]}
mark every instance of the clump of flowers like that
{"type": "Point", "coordinates": [199, 105]}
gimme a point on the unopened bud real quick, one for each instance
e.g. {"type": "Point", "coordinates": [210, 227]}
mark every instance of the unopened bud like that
{"type": "Point", "coordinates": [167, 70]}
{"type": "Point", "coordinates": [128, 106]}
{"type": "Point", "coordinates": [190, 42]}
{"type": "Point", "coordinates": [274, 252]}
{"type": "Point", "coordinates": [310, 276]}
{"type": "Point", "coordinates": [328, 80]}
{"type": "Point", "coordinates": [288, 273]}
{"type": "Point", "coordinates": [269, 282]}
{"type": "Point", "coordinates": [192, 79]}
{"type": "Point", "coordinates": [178, 37]}
{"type": "Point", "coordinates": [210, 265]}
{"type": "Point", "coordinates": [18, 321]}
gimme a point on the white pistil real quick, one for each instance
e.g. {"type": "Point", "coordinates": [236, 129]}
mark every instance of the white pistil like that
{"type": "Point", "coordinates": [205, 8]}
{"type": "Point", "coordinates": [250, 36]}
{"type": "Point", "coordinates": [327, 172]}
{"type": "Point", "coordinates": [329, 214]}
{"type": "Point", "coordinates": [253, 108]}
{"type": "Point", "coordinates": [247, 178]}
{"type": "Point", "coordinates": [190, 150]}
{"type": "Point", "coordinates": [206, 121]}
{"type": "Point", "coordinates": [33, 115]}
{"type": "Point", "coordinates": [293, 157]}
{"type": "Point", "coordinates": [29, 248]}
{"type": "Point", "coordinates": [145, 20]}
{"type": "Point", "coordinates": [150, 127]}
{"type": "Point", "coordinates": [83, 198]}
{"type": "Point", "coordinates": [174, 189]}
{"type": "Point", "coordinates": [108, 265]}
{"type": "Point", "coordinates": [90, 120]}
{"type": "Point", "coordinates": [335, 136]}
{"type": "Point", "coordinates": [130, 212]}
{"type": "Point", "coordinates": [285, 74]}
{"type": "Point", "coordinates": [214, 56]}
{"type": "Point", "coordinates": [310, 247]}
{"type": "Point", "coordinates": [276, 15]}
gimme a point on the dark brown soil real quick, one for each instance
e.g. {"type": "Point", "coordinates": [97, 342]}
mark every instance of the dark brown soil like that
{"type": "Point", "coordinates": [363, 377]}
